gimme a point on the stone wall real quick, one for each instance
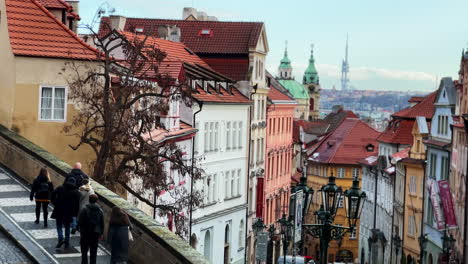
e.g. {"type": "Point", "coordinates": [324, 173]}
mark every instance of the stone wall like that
{"type": "Point", "coordinates": [153, 243]}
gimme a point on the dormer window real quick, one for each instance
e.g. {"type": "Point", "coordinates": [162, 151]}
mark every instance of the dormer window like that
{"type": "Point", "coordinates": [205, 32]}
{"type": "Point", "coordinates": [370, 148]}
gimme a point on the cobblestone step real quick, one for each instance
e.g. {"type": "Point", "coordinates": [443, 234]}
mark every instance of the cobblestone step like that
{"type": "Point", "coordinates": [19, 210]}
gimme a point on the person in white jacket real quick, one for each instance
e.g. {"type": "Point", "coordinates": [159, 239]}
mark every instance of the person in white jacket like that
{"type": "Point", "coordinates": [85, 191]}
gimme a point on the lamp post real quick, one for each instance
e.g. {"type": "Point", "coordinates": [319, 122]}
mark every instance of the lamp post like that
{"type": "Point", "coordinates": [258, 227]}
{"type": "Point", "coordinates": [324, 228]}
{"type": "Point", "coordinates": [422, 245]}
{"type": "Point", "coordinates": [286, 227]}
{"type": "Point", "coordinates": [397, 242]}
{"type": "Point", "coordinates": [447, 245]}
{"type": "Point", "coordinates": [308, 194]}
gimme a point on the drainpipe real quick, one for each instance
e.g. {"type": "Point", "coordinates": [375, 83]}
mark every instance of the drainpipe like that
{"type": "Point", "coordinates": [200, 104]}
{"type": "Point", "coordinates": [248, 173]}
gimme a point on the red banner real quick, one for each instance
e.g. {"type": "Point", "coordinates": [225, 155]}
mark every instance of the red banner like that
{"type": "Point", "coordinates": [447, 203]}
{"type": "Point", "coordinates": [259, 202]}
{"type": "Point", "coordinates": [435, 199]}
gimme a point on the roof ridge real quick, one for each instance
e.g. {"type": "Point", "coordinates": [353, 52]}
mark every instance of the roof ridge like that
{"type": "Point", "coordinates": [69, 31]}
{"type": "Point", "coordinates": [195, 21]}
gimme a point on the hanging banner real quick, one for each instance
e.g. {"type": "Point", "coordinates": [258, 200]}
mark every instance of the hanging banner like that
{"type": "Point", "coordinates": [447, 203]}
{"type": "Point", "coordinates": [259, 202]}
{"type": "Point", "coordinates": [435, 199]}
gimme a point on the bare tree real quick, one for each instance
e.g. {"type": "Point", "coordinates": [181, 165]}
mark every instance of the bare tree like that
{"type": "Point", "coordinates": [120, 107]}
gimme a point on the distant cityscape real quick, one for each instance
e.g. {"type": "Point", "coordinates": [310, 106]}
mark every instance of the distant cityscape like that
{"type": "Point", "coordinates": [373, 106]}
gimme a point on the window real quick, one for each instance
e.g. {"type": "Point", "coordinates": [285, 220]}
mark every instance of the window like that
{"type": "Point", "coordinates": [432, 165]}
{"type": "Point", "coordinates": [241, 234]}
{"type": "Point", "coordinates": [53, 102]}
{"type": "Point", "coordinates": [226, 185]}
{"type": "Point", "coordinates": [252, 142]}
{"type": "Point", "coordinates": [216, 143]}
{"type": "Point", "coordinates": [352, 235]}
{"type": "Point", "coordinates": [233, 183]}
{"type": "Point", "coordinates": [412, 185]}
{"type": "Point", "coordinates": [355, 173]}
{"type": "Point", "coordinates": [341, 172]}
{"type": "Point", "coordinates": [444, 168]}
{"type": "Point", "coordinates": [234, 135]}
{"type": "Point", "coordinates": [196, 138]}
{"type": "Point", "coordinates": [207, 245]}
{"type": "Point", "coordinates": [411, 225]}
{"type": "Point", "coordinates": [238, 182]}
{"type": "Point", "coordinates": [341, 202]}
{"type": "Point", "coordinates": [207, 137]}
{"type": "Point", "coordinates": [228, 135]}
{"type": "Point", "coordinates": [239, 135]}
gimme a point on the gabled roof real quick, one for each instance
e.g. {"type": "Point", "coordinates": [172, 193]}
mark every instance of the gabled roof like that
{"type": "Point", "coordinates": [275, 95]}
{"type": "Point", "coordinates": [175, 51]}
{"type": "Point", "coordinates": [35, 32]}
{"type": "Point", "coordinates": [398, 131]}
{"type": "Point", "coordinates": [336, 117]}
{"type": "Point", "coordinates": [235, 68]}
{"type": "Point", "coordinates": [235, 97]}
{"type": "Point", "coordinates": [224, 37]}
{"type": "Point", "coordinates": [347, 144]}
{"type": "Point", "coordinates": [447, 85]}
{"type": "Point", "coordinates": [416, 99]}
{"type": "Point", "coordinates": [424, 108]}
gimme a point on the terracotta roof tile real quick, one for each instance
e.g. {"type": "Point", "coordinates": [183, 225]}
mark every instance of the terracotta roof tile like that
{"type": "Point", "coordinates": [398, 131]}
{"type": "Point", "coordinates": [424, 108]}
{"type": "Point", "coordinates": [223, 97]}
{"type": "Point", "coordinates": [347, 143]}
{"type": "Point", "coordinates": [235, 68]}
{"type": "Point", "coordinates": [275, 95]}
{"type": "Point", "coordinates": [35, 32]}
{"type": "Point", "coordinates": [226, 37]}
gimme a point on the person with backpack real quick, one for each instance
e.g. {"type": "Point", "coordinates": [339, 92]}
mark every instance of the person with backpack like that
{"type": "Point", "coordinates": [66, 201]}
{"type": "Point", "coordinates": [119, 235]}
{"type": "Point", "coordinates": [91, 224]}
{"type": "Point", "coordinates": [85, 191]}
{"type": "Point", "coordinates": [41, 191]}
{"type": "Point", "coordinates": [79, 176]}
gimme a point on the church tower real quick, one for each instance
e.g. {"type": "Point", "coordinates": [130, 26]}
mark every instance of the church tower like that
{"type": "Point", "coordinates": [285, 68]}
{"type": "Point", "coordinates": [311, 82]}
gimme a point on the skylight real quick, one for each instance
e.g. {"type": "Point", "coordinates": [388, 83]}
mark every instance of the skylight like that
{"type": "Point", "coordinates": [205, 32]}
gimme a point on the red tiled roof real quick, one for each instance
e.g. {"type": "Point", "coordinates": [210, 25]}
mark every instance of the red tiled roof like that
{"type": "Point", "coordinates": [436, 143]}
{"type": "Point", "coordinates": [35, 32]}
{"type": "Point", "coordinates": [235, 68]}
{"type": "Point", "coordinates": [347, 143]}
{"type": "Point", "coordinates": [424, 108]}
{"type": "Point", "coordinates": [175, 51]}
{"type": "Point", "coordinates": [416, 99]}
{"type": "Point", "coordinates": [226, 37]}
{"type": "Point", "coordinates": [398, 131]}
{"type": "Point", "coordinates": [223, 97]}
{"type": "Point", "coordinates": [59, 4]}
{"type": "Point", "coordinates": [276, 95]}
{"type": "Point", "coordinates": [402, 154]}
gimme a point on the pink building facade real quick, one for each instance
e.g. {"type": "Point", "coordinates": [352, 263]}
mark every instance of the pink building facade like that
{"type": "Point", "coordinates": [279, 153]}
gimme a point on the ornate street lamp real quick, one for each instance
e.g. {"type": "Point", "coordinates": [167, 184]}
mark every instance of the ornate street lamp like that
{"type": "Point", "coordinates": [324, 228]}
{"type": "Point", "coordinates": [354, 201]}
{"type": "Point", "coordinates": [422, 245]}
{"type": "Point", "coordinates": [447, 245]}
{"type": "Point", "coordinates": [258, 226]}
{"type": "Point", "coordinates": [286, 229]}
{"type": "Point", "coordinates": [397, 242]}
{"type": "Point", "coordinates": [331, 195]}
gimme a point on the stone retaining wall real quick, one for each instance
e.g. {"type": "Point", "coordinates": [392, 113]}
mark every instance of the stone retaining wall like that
{"type": "Point", "coordinates": [152, 242]}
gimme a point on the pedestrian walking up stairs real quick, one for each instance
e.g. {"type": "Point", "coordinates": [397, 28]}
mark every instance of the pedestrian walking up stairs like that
{"type": "Point", "coordinates": [17, 215]}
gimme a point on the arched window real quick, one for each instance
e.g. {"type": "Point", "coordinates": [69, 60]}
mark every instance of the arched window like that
{"type": "Point", "coordinates": [226, 235]}
{"type": "Point", "coordinates": [241, 234]}
{"type": "Point", "coordinates": [227, 245]}
{"type": "Point", "coordinates": [207, 245]}
{"type": "Point", "coordinates": [311, 104]}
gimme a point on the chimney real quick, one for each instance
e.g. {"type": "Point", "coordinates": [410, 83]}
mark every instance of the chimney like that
{"type": "Point", "coordinates": [189, 11]}
{"type": "Point", "coordinates": [117, 22]}
{"type": "Point", "coordinates": [174, 33]}
{"type": "Point", "coordinates": [75, 5]}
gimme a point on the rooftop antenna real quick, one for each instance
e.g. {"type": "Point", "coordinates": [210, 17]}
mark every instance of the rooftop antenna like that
{"type": "Point", "coordinates": [104, 8]}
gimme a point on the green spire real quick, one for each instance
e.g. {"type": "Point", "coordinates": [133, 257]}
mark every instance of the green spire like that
{"type": "Point", "coordinates": [311, 74]}
{"type": "Point", "coordinates": [285, 62]}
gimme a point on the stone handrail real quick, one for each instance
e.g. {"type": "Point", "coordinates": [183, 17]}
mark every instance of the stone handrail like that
{"type": "Point", "coordinates": [152, 243]}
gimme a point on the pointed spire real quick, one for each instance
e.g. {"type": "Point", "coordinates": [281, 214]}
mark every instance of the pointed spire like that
{"type": "Point", "coordinates": [285, 62]}
{"type": "Point", "coordinates": [311, 75]}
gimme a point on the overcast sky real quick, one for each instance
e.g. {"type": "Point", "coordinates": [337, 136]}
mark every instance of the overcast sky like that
{"type": "Point", "coordinates": [394, 45]}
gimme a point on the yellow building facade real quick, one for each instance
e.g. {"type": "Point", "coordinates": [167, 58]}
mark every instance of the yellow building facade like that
{"type": "Point", "coordinates": [414, 181]}
{"type": "Point", "coordinates": [317, 176]}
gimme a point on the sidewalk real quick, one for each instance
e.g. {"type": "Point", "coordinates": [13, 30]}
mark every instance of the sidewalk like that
{"type": "Point", "coordinates": [19, 215]}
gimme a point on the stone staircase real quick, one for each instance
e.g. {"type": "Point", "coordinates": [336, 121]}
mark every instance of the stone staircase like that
{"type": "Point", "coordinates": [17, 219]}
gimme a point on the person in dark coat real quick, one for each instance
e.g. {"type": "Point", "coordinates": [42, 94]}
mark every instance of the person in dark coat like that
{"type": "Point", "coordinates": [119, 226]}
{"type": "Point", "coordinates": [41, 191]}
{"type": "Point", "coordinates": [79, 176]}
{"type": "Point", "coordinates": [91, 224]}
{"type": "Point", "coordinates": [66, 201]}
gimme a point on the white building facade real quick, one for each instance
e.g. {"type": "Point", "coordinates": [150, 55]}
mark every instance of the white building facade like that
{"type": "Point", "coordinates": [218, 225]}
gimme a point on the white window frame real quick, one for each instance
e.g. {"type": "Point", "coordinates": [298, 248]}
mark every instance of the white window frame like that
{"type": "Point", "coordinates": [53, 102]}
{"type": "Point", "coordinates": [356, 173]}
{"type": "Point", "coordinates": [341, 173]}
